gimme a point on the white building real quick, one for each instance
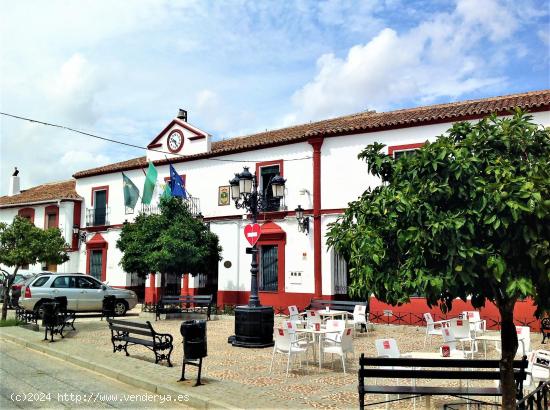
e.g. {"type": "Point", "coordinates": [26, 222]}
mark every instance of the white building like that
{"type": "Point", "coordinates": [322, 172]}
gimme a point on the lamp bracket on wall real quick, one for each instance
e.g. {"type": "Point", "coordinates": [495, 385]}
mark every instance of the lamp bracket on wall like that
{"type": "Point", "coordinates": [303, 221]}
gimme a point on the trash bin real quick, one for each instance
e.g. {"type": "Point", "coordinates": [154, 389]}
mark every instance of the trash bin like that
{"type": "Point", "coordinates": [194, 339]}
{"type": "Point", "coordinates": [49, 317]}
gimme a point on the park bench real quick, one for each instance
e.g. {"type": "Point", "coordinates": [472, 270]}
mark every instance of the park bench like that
{"type": "Point", "coordinates": [125, 333]}
{"type": "Point", "coordinates": [449, 369]}
{"type": "Point", "coordinates": [57, 317]}
{"type": "Point", "coordinates": [346, 305]}
{"type": "Point", "coordinates": [184, 303]}
{"type": "Point", "coordinates": [27, 316]}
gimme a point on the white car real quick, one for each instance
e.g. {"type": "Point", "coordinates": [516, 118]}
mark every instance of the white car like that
{"type": "Point", "coordinates": [84, 293]}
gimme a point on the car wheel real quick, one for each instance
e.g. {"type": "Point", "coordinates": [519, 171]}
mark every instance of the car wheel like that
{"type": "Point", "coordinates": [121, 307]}
{"type": "Point", "coordinates": [39, 310]}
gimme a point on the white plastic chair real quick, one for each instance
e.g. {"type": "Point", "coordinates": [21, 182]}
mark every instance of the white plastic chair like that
{"type": "Point", "coordinates": [464, 334]}
{"type": "Point", "coordinates": [334, 327]}
{"type": "Point", "coordinates": [285, 344]}
{"type": "Point", "coordinates": [476, 323]}
{"type": "Point", "coordinates": [303, 340]}
{"type": "Point", "coordinates": [538, 368]}
{"type": "Point", "coordinates": [524, 336]}
{"type": "Point", "coordinates": [359, 317]}
{"type": "Point", "coordinates": [433, 328]}
{"type": "Point", "coordinates": [342, 346]}
{"type": "Point", "coordinates": [450, 339]}
{"type": "Point", "coordinates": [312, 317]}
{"type": "Point", "coordinates": [294, 313]}
{"type": "Point", "coordinates": [387, 348]}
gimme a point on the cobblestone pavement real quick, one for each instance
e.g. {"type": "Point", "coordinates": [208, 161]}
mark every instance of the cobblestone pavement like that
{"type": "Point", "coordinates": [29, 379]}
{"type": "Point", "coordinates": [240, 377]}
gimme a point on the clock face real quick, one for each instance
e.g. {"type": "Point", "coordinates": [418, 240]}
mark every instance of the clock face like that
{"type": "Point", "coordinates": [175, 141]}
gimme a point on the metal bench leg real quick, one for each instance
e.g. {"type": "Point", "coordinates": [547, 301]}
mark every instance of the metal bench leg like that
{"type": "Point", "coordinates": [198, 383]}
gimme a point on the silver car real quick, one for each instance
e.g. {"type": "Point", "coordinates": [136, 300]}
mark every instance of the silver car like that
{"type": "Point", "coordinates": [84, 293]}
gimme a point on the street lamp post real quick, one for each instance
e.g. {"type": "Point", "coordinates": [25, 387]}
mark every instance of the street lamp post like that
{"type": "Point", "coordinates": [254, 322]}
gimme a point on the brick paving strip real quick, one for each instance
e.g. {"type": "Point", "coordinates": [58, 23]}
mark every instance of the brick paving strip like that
{"type": "Point", "coordinates": [233, 377]}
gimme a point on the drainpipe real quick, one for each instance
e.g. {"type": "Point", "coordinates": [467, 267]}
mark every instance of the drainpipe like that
{"type": "Point", "coordinates": [316, 143]}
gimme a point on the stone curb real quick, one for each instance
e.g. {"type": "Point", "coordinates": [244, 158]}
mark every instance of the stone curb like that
{"type": "Point", "coordinates": [196, 400]}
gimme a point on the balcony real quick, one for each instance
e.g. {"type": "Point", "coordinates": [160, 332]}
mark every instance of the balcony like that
{"type": "Point", "coordinates": [193, 203]}
{"type": "Point", "coordinates": [97, 216]}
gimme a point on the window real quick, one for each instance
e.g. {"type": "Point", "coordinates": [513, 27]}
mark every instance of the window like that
{"type": "Point", "coordinates": [88, 283]}
{"type": "Point", "coordinates": [64, 282]}
{"type": "Point", "coordinates": [51, 221]}
{"type": "Point", "coordinates": [340, 274]}
{"type": "Point", "coordinates": [269, 273]}
{"type": "Point", "coordinates": [40, 281]}
{"type": "Point", "coordinates": [266, 174]}
{"type": "Point", "coordinates": [100, 207]}
{"type": "Point", "coordinates": [96, 263]}
{"type": "Point", "coordinates": [397, 151]}
{"type": "Point", "coordinates": [399, 154]}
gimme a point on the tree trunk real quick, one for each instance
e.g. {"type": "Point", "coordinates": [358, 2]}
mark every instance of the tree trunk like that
{"type": "Point", "coordinates": [509, 343]}
{"type": "Point", "coordinates": [7, 287]}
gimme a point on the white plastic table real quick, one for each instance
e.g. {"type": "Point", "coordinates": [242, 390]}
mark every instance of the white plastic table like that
{"type": "Point", "coordinates": [496, 338]}
{"type": "Point", "coordinates": [332, 313]}
{"type": "Point", "coordinates": [319, 334]}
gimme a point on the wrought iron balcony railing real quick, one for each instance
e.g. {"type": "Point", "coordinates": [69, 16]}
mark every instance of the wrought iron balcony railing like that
{"type": "Point", "coordinates": [193, 203]}
{"type": "Point", "coordinates": [97, 216]}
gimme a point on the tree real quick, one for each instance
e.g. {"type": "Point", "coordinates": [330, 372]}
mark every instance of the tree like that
{"type": "Point", "coordinates": [466, 215]}
{"type": "Point", "coordinates": [22, 243]}
{"type": "Point", "coordinates": [171, 242]}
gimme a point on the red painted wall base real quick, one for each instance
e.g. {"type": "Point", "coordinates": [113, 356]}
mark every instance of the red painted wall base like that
{"type": "Point", "coordinates": [411, 313]}
{"type": "Point", "coordinates": [408, 313]}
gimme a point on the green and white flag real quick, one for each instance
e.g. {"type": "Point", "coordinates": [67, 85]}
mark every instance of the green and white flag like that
{"type": "Point", "coordinates": [167, 193]}
{"type": "Point", "coordinates": [149, 186]}
{"type": "Point", "coordinates": [131, 192]}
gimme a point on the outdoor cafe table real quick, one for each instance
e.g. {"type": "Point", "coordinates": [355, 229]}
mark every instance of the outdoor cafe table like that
{"type": "Point", "coordinates": [325, 314]}
{"type": "Point", "coordinates": [319, 334]}
{"type": "Point", "coordinates": [496, 338]}
{"type": "Point", "coordinates": [454, 354]}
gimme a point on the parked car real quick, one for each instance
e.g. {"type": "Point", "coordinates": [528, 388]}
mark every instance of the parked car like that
{"type": "Point", "coordinates": [15, 290]}
{"type": "Point", "coordinates": [84, 293]}
{"type": "Point", "coordinates": [18, 282]}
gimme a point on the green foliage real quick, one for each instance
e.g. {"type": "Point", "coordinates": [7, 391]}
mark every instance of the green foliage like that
{"type": "Point", "coordinates": [170, 242]}
{"type": "Point", "coordinates": [10, 322]}
{"type": "Point", "coordinates": [22, 243]}
{"type": "Point", "coordinates": [469, 214]}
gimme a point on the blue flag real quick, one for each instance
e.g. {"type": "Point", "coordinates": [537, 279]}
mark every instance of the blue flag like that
{"type": "Point", "coordinates": [176, 184]}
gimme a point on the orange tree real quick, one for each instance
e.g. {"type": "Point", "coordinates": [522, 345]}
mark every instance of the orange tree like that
{"type": "Point", "coordinates": [468, 214]}
{"type": "Point", "coordinates": [22, 243]}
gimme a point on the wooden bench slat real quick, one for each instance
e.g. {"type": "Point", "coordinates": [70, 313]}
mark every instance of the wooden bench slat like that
{"type": "Point", "coordinates": [129, 324]}
{"type": "Point", "coordinates": [430, 374]}
{"type": "Point", "coordinates": [138, 341]}
{"type": "Point", "coordinates": [433, 390]}
{"type": "Point", "coordinates": [412, 362]}
{"type": "Point", "coordinates": [132, 330]}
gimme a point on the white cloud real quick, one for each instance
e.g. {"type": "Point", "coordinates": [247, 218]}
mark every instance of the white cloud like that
{"type": "Point", "coordinates": [440, 57]}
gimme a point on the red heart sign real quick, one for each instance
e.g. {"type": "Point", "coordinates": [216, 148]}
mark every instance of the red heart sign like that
{"type": "Point", "coordinates": [252, 233]}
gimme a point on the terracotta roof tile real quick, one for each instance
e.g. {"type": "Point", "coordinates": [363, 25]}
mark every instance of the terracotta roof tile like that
{"type": "Point", "coordinates": [361, 122]}
{"type": "Point", "coordinates": [46, 192]}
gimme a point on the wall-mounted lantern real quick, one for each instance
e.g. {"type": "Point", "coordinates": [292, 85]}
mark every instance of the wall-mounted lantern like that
{"type": "Point", "coordinates": [303, 221]}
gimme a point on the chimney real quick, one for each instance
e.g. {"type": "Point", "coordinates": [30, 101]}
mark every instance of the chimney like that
{"type": "Point", "coordinates": [14, 183]}
{"type": "Point", "coordinates": [182, 115]}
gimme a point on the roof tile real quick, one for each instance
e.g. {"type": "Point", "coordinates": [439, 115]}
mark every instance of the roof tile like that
{"type": "Point", "coordinates": [45, 192]}
{"type": "Point", "coordinates": [362, 122]}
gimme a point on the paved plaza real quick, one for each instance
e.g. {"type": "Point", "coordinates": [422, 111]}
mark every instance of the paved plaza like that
{"type": "Point", "coordinates": [30, 379]}
{"type": "Point", "coordinates": [233, 377]}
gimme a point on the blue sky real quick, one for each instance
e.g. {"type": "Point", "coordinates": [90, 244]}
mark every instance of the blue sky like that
{"type": "Point", "coordinates": [122, 69]}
